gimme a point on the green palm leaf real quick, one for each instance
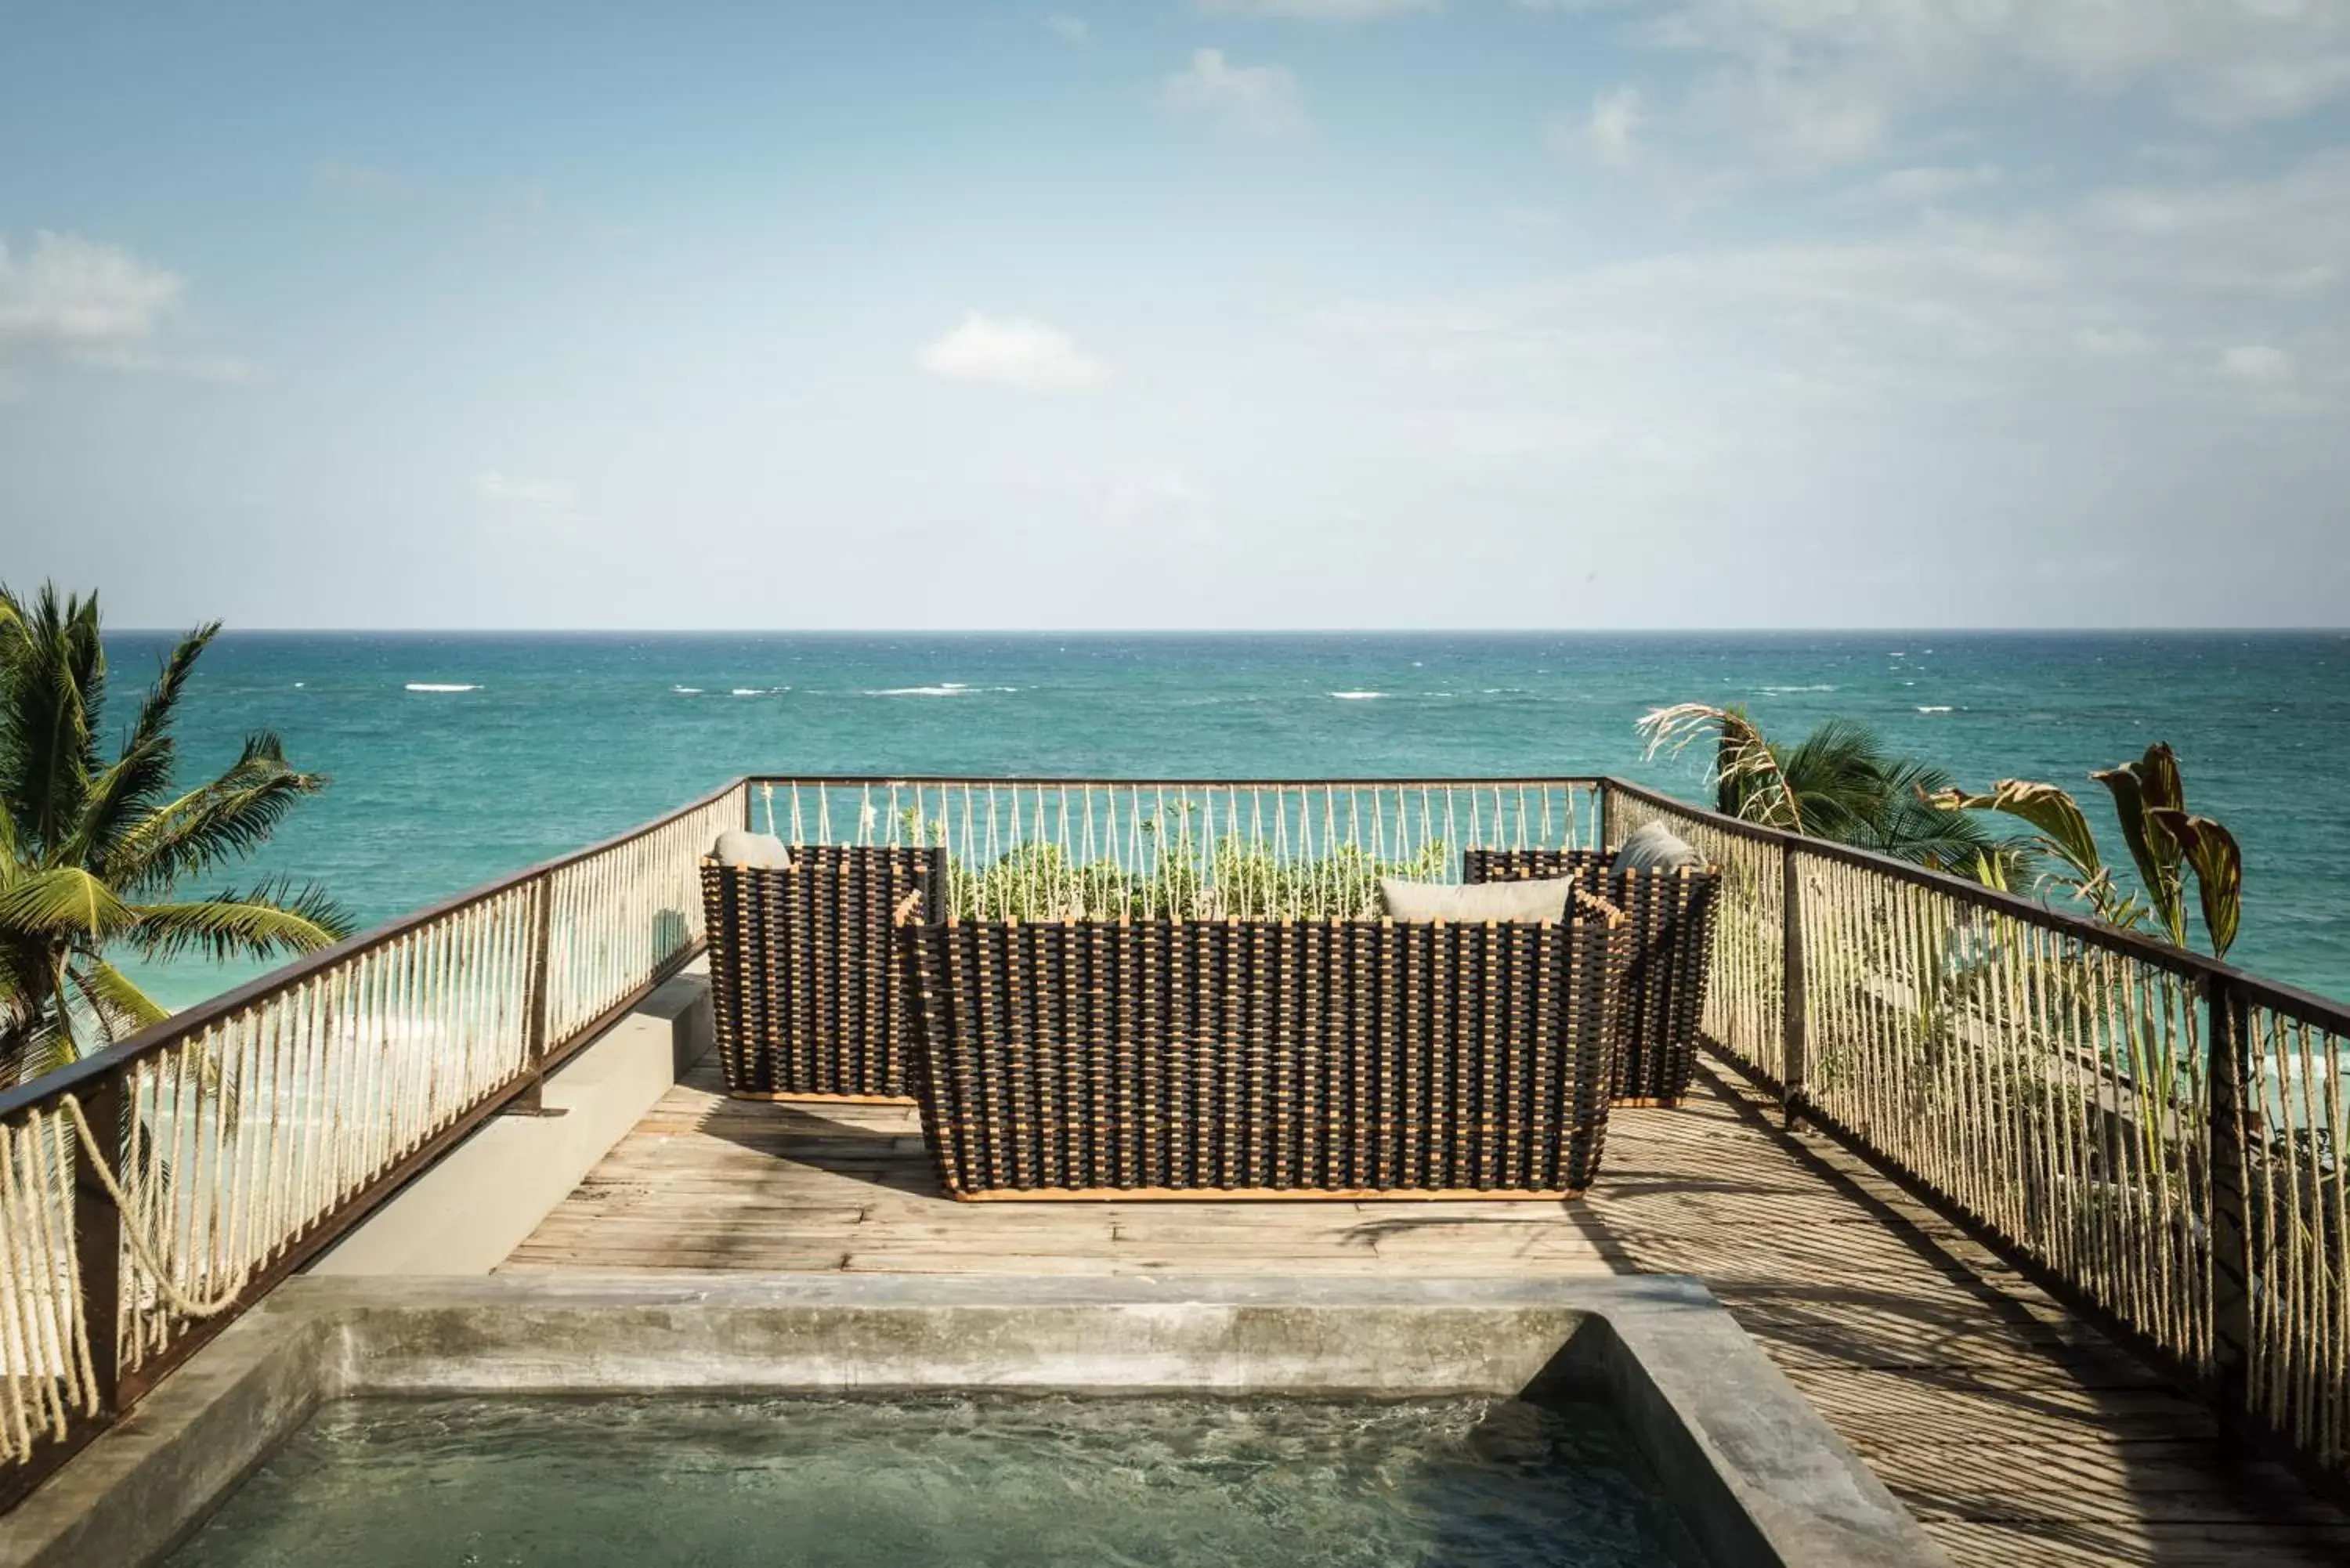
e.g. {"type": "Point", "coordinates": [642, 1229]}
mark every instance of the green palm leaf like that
{"type": "Point", "coordinates": [91, 849]}
{"type": "Point", "coordinates": [119, 1004]}
{"type": "Point", "coordinates": [66, 901]}
{"type": "Point", "coordinates": [274, 921]}
{"type": "Point", "coordinates": [227, 819]}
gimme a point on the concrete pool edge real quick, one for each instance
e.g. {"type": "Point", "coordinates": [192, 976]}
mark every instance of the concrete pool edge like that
{"type": "Point", "coordinates": [1756, 1474]}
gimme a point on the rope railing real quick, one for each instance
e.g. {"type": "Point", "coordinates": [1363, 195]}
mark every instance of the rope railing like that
{"type": "Point", "coordinates": [152, 1193]}
{"type": "Point", "coordinates": [1189, 849]}
{"type": "Point", "coordinates": [2157, 1137]}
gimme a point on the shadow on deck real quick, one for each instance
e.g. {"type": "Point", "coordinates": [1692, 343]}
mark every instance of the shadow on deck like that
{"type": "Point", "coordinates": [2015, 1432]}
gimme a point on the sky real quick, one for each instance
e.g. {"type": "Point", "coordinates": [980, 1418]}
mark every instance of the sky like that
{"type": "Point", "coordinates": [1680, 313]}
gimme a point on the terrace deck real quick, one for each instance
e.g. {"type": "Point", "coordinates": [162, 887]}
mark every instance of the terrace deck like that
{"type": "Point", "coordinates": [2015, 1432]}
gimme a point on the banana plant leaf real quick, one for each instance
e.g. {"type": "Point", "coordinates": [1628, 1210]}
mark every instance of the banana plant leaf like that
{"type": "Point", "coordinates": [2219, 865]}
{"type": "Point", "coordinates": [2055, 813]}
{"type": "Point", "coordinates": [2141, 790]}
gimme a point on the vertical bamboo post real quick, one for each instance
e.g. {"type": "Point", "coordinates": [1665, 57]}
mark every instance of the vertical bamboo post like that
{"type": "Point", "coordinates": [97, 1242]}
{"type": "Point", "coordinates": [1794, 1037]}
{"type": "Point", "coordinates": [1607, 813]}
{"type": "Point", "coordinates": [531, 1102]}
{"type": "Point", "coordinates": [2233, 1125]}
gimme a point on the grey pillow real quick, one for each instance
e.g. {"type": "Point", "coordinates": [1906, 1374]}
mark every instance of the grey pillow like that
{"type": "Point", "coordinates": [1477, 903]}
{"type": "Point", "coordinates": [764, 851]}
{"type": "Point", "coordinates": [1653, 846]}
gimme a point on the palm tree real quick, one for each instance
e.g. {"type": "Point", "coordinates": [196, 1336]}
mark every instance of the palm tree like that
{"type": "Point", "coordinates": [1839, 783]}
{"type": "Point", "coordinates": [92, 851]}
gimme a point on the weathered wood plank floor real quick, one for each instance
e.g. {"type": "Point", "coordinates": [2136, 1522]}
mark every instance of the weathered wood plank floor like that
{"type": "Point", "coordinates": [2016, 1433]}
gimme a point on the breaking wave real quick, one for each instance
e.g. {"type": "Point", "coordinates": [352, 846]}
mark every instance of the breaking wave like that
{"type": "Point", "coordinates": [439, 686]}
{"type": "Point", "coordinates": [945, 688]}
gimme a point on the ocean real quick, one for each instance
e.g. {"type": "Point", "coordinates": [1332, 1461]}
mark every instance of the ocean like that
{"type": "Point", "coordinates": [456, 757]}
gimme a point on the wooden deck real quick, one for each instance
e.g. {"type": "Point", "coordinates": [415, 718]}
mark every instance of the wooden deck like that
{"type": "Point", "coordinates": [2016, 1433]}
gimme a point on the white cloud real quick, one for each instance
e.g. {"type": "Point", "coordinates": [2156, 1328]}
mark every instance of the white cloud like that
{"type": "Point", "coordinates": [1256, 100]}
{"type": "Point", "coordinates": [1797, 85]}
{"type": "Point", "coordinates": [2107, 308]}
{"type": "Point", "coordinates": [1072, 28]}
{"type": "Point", "coordinates": [2113, 342]}
{"type": "Point", "coordinates": [359, 179]}
{"type": "Point", "coordinates": [1010, 351]}
{"type": "Point", "coordinates": [83, 300]}
{"type": "Point", "coordinates": [1932, 182]}
{"type": "Point", "coordinates": [1321, 10]}
{"type": "Point", "coordinates": [547, 499]}
{"type": "Point", "coordinates": [2259, 363]}
{"type": "Point", "coordinates": [1609, 135]}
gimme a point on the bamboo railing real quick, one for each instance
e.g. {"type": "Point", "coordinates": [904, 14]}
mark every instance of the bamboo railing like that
{"type": "Point", "coordinates": [242, 1138]}
{"type": "Point", "coordinates": [1182, 849]}
{"type": "Point", "coordinates": [2156, 1137]}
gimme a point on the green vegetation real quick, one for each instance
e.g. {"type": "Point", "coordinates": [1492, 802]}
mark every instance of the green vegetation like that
{"type": "Point", "coordinates": [2165, 841]}
{"type": "Point", "coordinates": [1839, 783]}
{"type": "Point", "coordinates": [93, 851]}
{"type": "Point", "coordinates": [1182, 876]}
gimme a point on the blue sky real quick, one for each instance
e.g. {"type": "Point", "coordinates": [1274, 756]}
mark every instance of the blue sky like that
{"type": "Point", "coordinates": [1196, 312]}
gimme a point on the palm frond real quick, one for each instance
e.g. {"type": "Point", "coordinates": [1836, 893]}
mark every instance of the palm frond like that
{"type": "Point", "coordinates": [275, 919]}
{"type": "Point", "coordinates": [42, 1045]}
{"type": "Point", "coordinates": [226, 819]}
{"type": "Point", "coordinates": [53, 694]}
{"type": "Point", "coordinates": [118, 1004]}
{"type": "Point", "coordinates": [1749, 781]}
{"type": "Point", "coordinates": [66, 901]}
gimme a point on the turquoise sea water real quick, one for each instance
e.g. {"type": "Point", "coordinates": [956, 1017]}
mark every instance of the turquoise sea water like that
{"type": "Point", "coordinates": [456, 757]}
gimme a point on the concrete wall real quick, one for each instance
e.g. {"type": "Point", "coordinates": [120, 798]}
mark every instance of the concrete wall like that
{"type": "Point", "coordinates": [486, 1196]}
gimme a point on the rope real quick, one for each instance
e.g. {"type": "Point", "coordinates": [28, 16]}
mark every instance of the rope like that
{"type": "Point", "coordinates": [144, 1253]}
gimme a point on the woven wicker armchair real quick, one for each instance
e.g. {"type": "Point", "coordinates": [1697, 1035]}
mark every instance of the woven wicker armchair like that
{"type": "Point", "coordinates": [807, 986]}
{"type": "Point", "coordinates": [1344, 1059]}
{"type": "Point", "coordinates": [1663, 997]}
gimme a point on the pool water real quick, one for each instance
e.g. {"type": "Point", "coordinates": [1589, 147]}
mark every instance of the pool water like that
{"type": "Point", "coordinates": [1168, 1483]}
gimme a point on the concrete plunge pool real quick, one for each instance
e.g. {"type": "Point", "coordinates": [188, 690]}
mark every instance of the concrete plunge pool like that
{"type": "Point", "coordinates": [912, 1420]}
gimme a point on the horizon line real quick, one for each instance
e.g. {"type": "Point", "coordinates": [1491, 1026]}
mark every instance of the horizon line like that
{"type": "Point", "coordinates": [1953, 631]}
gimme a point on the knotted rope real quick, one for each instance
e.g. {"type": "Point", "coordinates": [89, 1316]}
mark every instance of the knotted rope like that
{"type": "Point", "coordinates": [141, 1249]}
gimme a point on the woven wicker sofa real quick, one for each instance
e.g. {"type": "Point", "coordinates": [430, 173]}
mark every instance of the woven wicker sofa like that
{"type": "Point", "coordinates": [1662, 1001]}
{"type": "Point", "coordinates": [807, 983]}
{"type": "Point", "coordinates": [1343, 1059]}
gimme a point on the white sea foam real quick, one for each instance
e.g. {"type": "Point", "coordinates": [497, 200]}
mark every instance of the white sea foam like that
{"type": "Point", "coordinates": [1933, 710]}
{"type": "Point", "coordinates": [686, 691]}
{"type": "Point", "coordinates": [1357, 696]}
{"type": "Point", "coordinates": [750, 691]}
{"type": "Point", "coordinates": [1782, 691]}
{"type": "Point", "coordinates": [299, 685]}
{"type": "Point", "coordinates": [950, 689]}
{"type": "Point", "coordinates": [439, 686]}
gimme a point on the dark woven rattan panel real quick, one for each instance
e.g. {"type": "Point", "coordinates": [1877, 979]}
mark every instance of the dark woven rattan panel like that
{"type": "Point", "coordinates": [1670, 916]}
{"type": "Point", "coordinates": [1199, 1058]}
{"type": "Point", "coordinates": [808, 988]}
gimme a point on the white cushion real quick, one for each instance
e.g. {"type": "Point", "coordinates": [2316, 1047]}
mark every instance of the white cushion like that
{"type": "Point", "coordinates": [1474, 903]}
{"type": "Point", "coordinates": [764, 851]}
{"type": "Point", "coordinates": [1655, 847]}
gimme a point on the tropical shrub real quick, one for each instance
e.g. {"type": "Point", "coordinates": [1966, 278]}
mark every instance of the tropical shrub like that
{"type": "Point", "coordinates": [94, 850]}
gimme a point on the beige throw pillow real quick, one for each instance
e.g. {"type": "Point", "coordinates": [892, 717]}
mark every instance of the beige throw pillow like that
{"type": "Point", "coordinates": [762, 851]}
{"type": "Point", "coordinates": [1477, 903]}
